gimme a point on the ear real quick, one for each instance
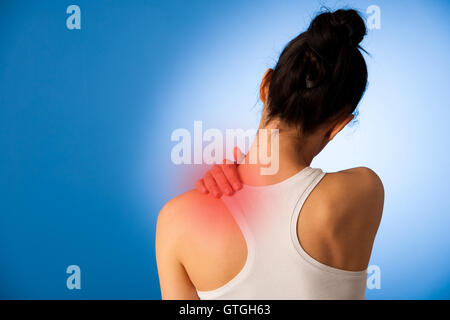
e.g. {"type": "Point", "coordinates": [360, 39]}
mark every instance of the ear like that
{"type": "Point", "coordinates": [338, 126]}
{"type": "Point", "coordinates": [264, 88]}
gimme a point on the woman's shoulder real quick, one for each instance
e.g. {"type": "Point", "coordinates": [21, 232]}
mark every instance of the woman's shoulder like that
{"type": "Point", "coordinates": [355, 199]}
{"type": "Point", "coordinates": [362, 174]}
{"type": "Point", "coordinates": [355, 193]}
{"type": "Point", "coordinates": [343, 214]}
{"type": "Point", "coordinates": [200, 231]}
{"type": "Point", "coordinates": [360, 183]}
{"type": "Point", "coordinates": [349, 198]}
{"type": "Point", "coordinates": [190, 205]}
{"type": "Point", "coordinates": [193, 214]}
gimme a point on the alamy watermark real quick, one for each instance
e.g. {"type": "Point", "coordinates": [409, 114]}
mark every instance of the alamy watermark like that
{"type": "Point", "coordinates": [74, 280]}
{"type": "Point", "coordinates": [373, 281]}
{"type": "Point", "coordinates": [374, 19]}
{"type": "Point", "coordinates": [74, 20]}
{"type": "Point", "coordinates": [373, 277]}
{"type": "Point", "coordinates": [190, 148]}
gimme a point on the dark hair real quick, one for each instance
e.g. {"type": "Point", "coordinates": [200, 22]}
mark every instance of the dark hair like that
{"type": "Point", "coordinates": [321, 74]}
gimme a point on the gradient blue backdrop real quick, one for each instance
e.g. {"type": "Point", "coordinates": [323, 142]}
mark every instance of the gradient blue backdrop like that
{"type": "Point", "coordinates": [86, 117]}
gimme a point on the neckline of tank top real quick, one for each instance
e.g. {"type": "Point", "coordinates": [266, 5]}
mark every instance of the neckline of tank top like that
{"type": "Point", "coordinates": [303, 172]}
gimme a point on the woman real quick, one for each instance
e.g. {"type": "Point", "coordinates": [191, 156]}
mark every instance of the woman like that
{"type": "Point", "coordinates": [298, 233]}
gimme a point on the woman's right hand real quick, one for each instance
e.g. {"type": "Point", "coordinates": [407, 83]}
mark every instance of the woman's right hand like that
{"type": "Point", "coordinates": [222, 178]}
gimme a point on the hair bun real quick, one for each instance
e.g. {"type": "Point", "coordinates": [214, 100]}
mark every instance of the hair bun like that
{"type": "Point", "coordinates": [342, 27]}
{"type": "Point", "coordinates": [351, 24]}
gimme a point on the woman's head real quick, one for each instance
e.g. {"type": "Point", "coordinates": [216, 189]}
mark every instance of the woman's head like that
{"type": "Point", "coordinates": [320, 76]}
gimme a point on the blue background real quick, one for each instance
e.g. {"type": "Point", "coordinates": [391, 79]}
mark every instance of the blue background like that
{"type": "Point", "coordinates": [86, 117]}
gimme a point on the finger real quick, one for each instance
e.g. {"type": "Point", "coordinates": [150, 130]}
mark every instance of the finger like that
{"type": "Point", "coordinates": [221, 180]}
{"type": "Point", "coordinates": [238, 155]}
{"type": "Point", "coordinates": [232, 175]}
{"type": "Point", "coordinates": [211, 185]}
{"type": "Point", "coordinates": [200, 186]}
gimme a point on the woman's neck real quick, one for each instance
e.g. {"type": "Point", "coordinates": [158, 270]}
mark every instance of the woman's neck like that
{"type": "Point", "coordinates": [273, 157]}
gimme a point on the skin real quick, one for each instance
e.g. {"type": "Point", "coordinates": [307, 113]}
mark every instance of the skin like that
{"type": "Point", "coordinates": [199, 245]}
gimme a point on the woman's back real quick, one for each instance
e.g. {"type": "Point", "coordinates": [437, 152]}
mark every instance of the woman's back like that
{"type": "Point", "coordinates": [248, 246]}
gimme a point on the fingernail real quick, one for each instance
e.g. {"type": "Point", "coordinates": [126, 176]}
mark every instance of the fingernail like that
{"type": "Point", "coordinates": [236, 186]}
{"type": "Point", "coordinates": [228, 191]}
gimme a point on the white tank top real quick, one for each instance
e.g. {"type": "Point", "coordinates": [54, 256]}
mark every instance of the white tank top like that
{"type": "Point", "coordinates": [277, 267]}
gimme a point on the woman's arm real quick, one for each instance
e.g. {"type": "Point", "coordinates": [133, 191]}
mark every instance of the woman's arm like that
{"type": "Point", "coordinates": [174, 280]}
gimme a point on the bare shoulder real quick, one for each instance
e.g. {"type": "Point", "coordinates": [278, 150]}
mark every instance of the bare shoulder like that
{"type": "Point", "coordinates": [200, 233]}
{"type": "Point", "coordinates": [361, 177]}
{"type": "Point", "coordinates": [341, 218]}
{"type": "Point", "coordinates": [193, 222]}
{"type": "Point", "coordinates": [355, 195]}
{"type": "Point", "coordinates": [358, 177]}
{"type": "Point", "coordinates": [189, 212]}
{"type": "Point", "coordinates": [358, 190]}
{"type": "Point", "coordinates": [184, 224]}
